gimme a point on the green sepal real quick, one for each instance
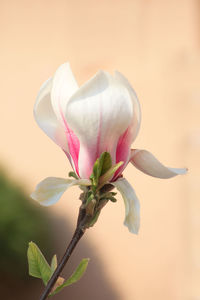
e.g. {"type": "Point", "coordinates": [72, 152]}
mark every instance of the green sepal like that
{"type": "Point", "coordinates": [106, 162]}
{"type": "Point", "coordinates": [112, 199]}
{"type": "Point", "coordinates": [73, 174]}
{"type": "Point", "coordinates": [94, 219]}
{"type": "Point", "coordinates": [95, 174]}
{"type": "Point", "coordinates": [107, 195]}
{"type": "Point", "coordinates": [78, 273]}
{"type": "Point", "coordinates": [38, 266]}
{"type": "Point", "coordinates": [101, 166]}
{"type": "Point", "coordinates": [91, 207]}
{"type": "Point", "coordinates": [109, 174]}
{"type": "Point", "coordinates": [90, 197]}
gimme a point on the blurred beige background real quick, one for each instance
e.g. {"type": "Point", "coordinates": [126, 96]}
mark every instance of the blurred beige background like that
{"type": "Point", "coordinates": [156, 45]}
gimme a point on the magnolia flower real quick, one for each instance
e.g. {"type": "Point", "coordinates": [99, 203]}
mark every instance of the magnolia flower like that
{"type": "Point", "coordinates": [101, 115]}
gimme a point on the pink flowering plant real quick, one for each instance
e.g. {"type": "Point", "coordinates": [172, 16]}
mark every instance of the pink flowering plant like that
{"type": "Point", "coordinates": [95, 125]}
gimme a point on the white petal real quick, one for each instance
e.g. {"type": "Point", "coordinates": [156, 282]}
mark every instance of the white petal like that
{"type": "Point", "coordinates": [144, 161]}
{"type": "Point", "coordinates": [49, 190]}
{"type": "Point", "coordinates": [136, 119]}
{"type": "Point", "coordinates": [63, 87]}
{"type": "Point", "coordinates": [132, 205]}
{"type": "Point", "coordinates": [46, 118]}
{"type": "Point", "coordinates": [98, 113]}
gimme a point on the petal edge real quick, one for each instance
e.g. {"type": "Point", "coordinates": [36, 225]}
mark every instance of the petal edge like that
{"type": "Point", "coordinates": [132, 205]}
{"type": "Point", "coordinates": [50, 190]}
{"type": "Point", "coordinates": [46, 118]}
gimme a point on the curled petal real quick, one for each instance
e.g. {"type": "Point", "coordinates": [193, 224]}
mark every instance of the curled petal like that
{"type": "Point", "coordinates": [98, 113]}
{"type": "Point", "coordinates": [127, 138]}
{"type": "Point", "coordinates": [64, 86]}
{"type": "Point", "coordinates": [144, 161]}
{"type": "Point", "coordinates": [49, 190]}
{"type": "Point", "coordinates": [132, 205]}
{"type": "Point", "coordinates": [46, 118]}
{"type": "Point", "coordinates": [136, 118]}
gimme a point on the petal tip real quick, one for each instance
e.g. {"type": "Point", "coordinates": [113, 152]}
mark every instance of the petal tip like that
{"type": "Point", "coordinates": [184, 171]}
{"type": "Point", "coordinates": [178, 171]}
{"type": "Point", "coordinates": [133, 229]}
{"type": "Point", "coordinates": [35, 197]}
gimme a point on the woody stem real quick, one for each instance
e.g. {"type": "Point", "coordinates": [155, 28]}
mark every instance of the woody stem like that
{"type": "Point", "coordinates": [75, 239]}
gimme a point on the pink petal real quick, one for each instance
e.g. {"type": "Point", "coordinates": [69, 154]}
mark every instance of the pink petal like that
{"type": "Point", "coordinates": [98, 113]}
{"type": "Point", "coordinates": [136, 117]}
{"type": "Point", "coordinates": [127, 138]}
{"type": "Point", "coordinates": [46, 118]}
{"type": "Point", "coordinates": [123, 151]}
{"type": "Point", "coordinates": [64, 86]}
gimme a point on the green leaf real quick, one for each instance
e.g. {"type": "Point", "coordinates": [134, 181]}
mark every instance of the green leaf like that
{"type": "Point", "coordinates": [78, 273]}
{"type": "Point", "coordinates": [54, 263]}
{"type": "Point", "coordinates": [38, 266]}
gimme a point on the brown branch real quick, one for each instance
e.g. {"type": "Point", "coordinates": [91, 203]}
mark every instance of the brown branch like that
{"type": "Point", "coordinates": [75, 239]}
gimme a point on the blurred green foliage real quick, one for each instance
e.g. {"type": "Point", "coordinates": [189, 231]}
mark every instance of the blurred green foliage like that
{"type": "Point", "coordinates": [21, 221]}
